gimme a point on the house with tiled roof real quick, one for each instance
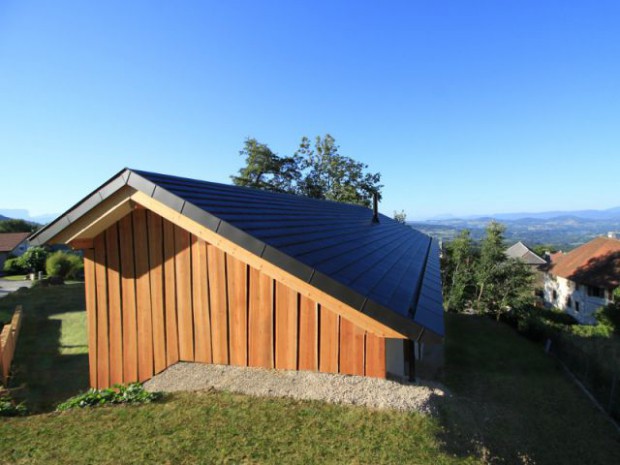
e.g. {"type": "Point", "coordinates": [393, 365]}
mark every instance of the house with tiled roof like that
{"type": "Point", "coordinates": [180, 269]}
{"type": "Point", "coordinates": [12, 244]}
{"type": "Point", "coordinates": [583, 280]}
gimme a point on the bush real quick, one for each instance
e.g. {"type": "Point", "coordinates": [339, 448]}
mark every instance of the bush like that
{"type": "Point", "coordinates": [8, 408]}
{"type": "Point", "coordinates": [12, 266]}
{"type": "Point", "coordinates": [33, 260]}
{"type": "Point", "coordinates": [64, 265]}
{"type": "Point", "coordinates": [610, 316]}
{"type": "Point", "coordinates": [118, 394]}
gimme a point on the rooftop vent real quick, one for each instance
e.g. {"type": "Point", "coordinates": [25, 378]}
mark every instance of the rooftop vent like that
{"type": "Point", "coordinates": [375, 207]}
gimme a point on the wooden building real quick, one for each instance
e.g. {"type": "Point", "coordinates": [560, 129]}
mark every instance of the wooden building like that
{"type": "Point", "coordinates": [185, 270]}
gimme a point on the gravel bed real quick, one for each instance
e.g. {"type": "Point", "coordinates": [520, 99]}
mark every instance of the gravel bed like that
{"type": "Point", "coordinates": [340, 389]}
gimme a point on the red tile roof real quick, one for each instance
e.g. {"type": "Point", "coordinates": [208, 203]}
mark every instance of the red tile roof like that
{"type": "Point", "coordinates": [8, 241]}
{"type": "Point", "coordinates": [596, 263]}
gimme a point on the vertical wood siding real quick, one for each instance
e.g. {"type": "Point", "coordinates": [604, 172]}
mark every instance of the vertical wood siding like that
{"type": "Point", "coordinates": [155, 294]}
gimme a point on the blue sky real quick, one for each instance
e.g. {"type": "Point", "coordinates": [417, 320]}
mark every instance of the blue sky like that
{"type": "Point", "coordinates": [464, 107]}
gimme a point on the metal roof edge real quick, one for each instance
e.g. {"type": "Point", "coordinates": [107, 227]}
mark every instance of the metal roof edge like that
{"type": "Point", "coordinates": [80, 208]}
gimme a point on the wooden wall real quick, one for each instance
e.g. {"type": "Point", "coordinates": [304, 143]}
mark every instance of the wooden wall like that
{"type": "Point", "coordinates": [156, 295]}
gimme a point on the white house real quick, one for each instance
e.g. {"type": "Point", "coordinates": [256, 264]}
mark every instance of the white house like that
{"type": "Point", "coordinates": [583, 280]}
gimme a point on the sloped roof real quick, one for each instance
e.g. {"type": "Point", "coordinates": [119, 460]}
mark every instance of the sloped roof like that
{"type": "Point", "coordinates": [524, 253]}
{"type": "Point", "coordinates": [8, 241]}
{"type": "Point", "coordinates": [596, 263]}
{"type": "Point", "coordinates": [386, 270]}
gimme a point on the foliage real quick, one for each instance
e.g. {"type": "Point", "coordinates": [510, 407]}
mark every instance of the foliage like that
{"type": "Point", "coordinates": [8, 407]}
{"type": "Point", "coordinates": [488, 280]}
{"type": "Point", "coordinates": [118, 394]}
{"type": "Point", "coordinates": [609, 316]}
{"type": "Point", "coordinates": [401, 216]}
{"type": "Point", "coordinates": [457, 269]}
{"type": "Point", "coordinates": [542, 248]}
{"type": "Point", "coordinates": [501, 282]}
{"type": "Point", "coordinates": [64, 265]}
{"type": "Point", "coordinates": [11, 225]}
{"type": "Point", "coordinates": [33, 259]}
{"type": "Point", "coordinates": [317, 171]}
{"type": "Point", "coordinates": [12, 266]}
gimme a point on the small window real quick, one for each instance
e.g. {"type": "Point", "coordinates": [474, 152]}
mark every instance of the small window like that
{"type": "Point", "coordinates": [554, 295]}
{"type": "Point", "coordinates": [569, 302]}
{"type": "Point", "coordinates": [594, 291]}
{"type": "Point", "coordinates": [577, 307]}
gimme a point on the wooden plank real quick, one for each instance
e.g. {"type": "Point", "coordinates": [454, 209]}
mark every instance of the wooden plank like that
{"type": "Point", "coordinates": [351, 348]}
{"type": "Point", "coordinates": [260, 320]}
{"type": "Point", "coordinates": [183, 273]}
{"type": "Point", "coordinates": [91, 313]}
{"type": "Point", "coordinates": [218, 300]}
{"type": "Point", "coordinates": [114, 305]}
{"type": "Point", "coordinates": [328, 350]}
{"type": "Point", "coordinates": [375, 356]}
{"type": "Point", "coordinates": [128, 293]}
{"type": "Point", "coordinates": [286, 327]}
{"type": "Point", "coordinates": [363, 321]}
{"type": "Point", "coordinates": [143, 296]}
{"type": "Point", "coordinates": [103, 360]}
{"type": "Point", "coordinates": [156, 275]}
{"type": "Point", "coordinates": [238, 310]}
{"type": "Point", "coordinates": [308, 335]}
{"type": "Point", "coordinates": [172, 331]}
{"type": "Point", "coordinates": [200, 292]}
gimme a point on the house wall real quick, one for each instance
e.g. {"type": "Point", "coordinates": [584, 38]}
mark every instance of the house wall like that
{"type": "Point", "coordinates": [156, 295]}
{"type": "Point", "coordinates": [565, 289]}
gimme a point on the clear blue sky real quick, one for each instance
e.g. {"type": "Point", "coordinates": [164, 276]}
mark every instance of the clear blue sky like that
{"type": "Point", "coordinates": [463, 106]}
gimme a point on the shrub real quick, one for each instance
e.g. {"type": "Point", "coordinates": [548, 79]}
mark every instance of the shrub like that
{"type": "Point", "coordinates": [609, 316]}
{"type": "Point", "coordinates": [8, 408]}
{"type": "Point", "coordinates": [64, 265]}
{"type": "Point", "coordinates": [12, 266]}
{"type": "Point", "coordinates": [118, 394]}
{"type": "Point", "coordinates": [33, 259]}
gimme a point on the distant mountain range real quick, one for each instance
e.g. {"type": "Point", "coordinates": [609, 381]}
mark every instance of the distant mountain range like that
{"type": "Point", "coordinates": [608, 214]}
{"type": "Point", "coordinates": [21, 214]}
{"type": "Point", "coordinates": [562, 229]}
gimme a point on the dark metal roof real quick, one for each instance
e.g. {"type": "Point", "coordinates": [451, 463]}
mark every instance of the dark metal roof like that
{"type": "Point", "coordinates": [387, 270]}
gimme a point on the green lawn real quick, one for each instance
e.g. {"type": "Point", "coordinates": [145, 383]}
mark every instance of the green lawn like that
{"type": "Point", "coordinates": [509, 403]}
{"type": "Point", "coordinates": [17, 277]}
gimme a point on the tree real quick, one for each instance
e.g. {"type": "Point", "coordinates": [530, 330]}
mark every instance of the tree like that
{"type": "Point", "coordinates": [401, 216]}
{"type": "Point", "coordinates": [331, 176]}
{"type": "Point", "coordinates": [318, 171]}
{"type": "Point", "coordinates": [11, 225]}
{"type": "Point", "coordinates": [33, 259]}
{"type": "Point", "coordinates": [502, 283]}
{"type": "Point", "coordinates": [458, 265]}
{"type": "Point", "coordinates": [265, 170]}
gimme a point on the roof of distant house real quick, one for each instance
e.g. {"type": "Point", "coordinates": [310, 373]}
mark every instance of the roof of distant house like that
{"type": "Point", "coordinates": [525, 254]}
{"type": "Point", "coordinates": [8, 241]}
{"type": "Point", "coordinates": [596, 263]}
{"type": "Point", "coordinates": [384, 269]}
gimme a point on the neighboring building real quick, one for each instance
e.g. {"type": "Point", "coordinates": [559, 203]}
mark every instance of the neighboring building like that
{"type": "Point", "coordinates": [583, 280]}
{"type": "Point", "coordinates": [185, 270]}
{"type": "Point", "coordinates": [522, 252]}
{"type": "Point", "coordinates": [525, 254]}
{"type": "Point", "coordinates": [12, 244]}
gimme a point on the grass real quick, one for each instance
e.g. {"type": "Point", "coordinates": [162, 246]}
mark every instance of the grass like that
{"type": "Point", "coordinates": [51, 360]}
{"type": "Point", "coordinates": [17, 277]}
{"type": "Point", "coordinates": [509, 403]}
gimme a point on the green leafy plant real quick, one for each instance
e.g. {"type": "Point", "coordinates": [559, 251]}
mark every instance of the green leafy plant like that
{"type": "Point", "coordinates": [33, 259]}
{"type": "Point", "coordinates": [64, 265]}
{"type": "Point", "coordinates": [118, 394]}
{"type": "Point", "coordinates": [8, 408]}
{"type": "Point", "coordinates": [12, 266]}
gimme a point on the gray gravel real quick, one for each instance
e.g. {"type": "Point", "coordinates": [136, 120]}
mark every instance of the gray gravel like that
{"type": "Point", "coordinates": [340, 389]}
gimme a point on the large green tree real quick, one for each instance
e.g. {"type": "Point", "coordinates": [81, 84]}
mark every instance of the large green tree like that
{"type": "Point", "coordinates": [458, 263]}
{"type": "Point", "coordinates": [484, 279]}
{"type": "Point", "coordinates": [315, 170]}
{"type": "Point", "coordinates": [11, 225]}
{"type": "Point", "coordinates": [502, 283]}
